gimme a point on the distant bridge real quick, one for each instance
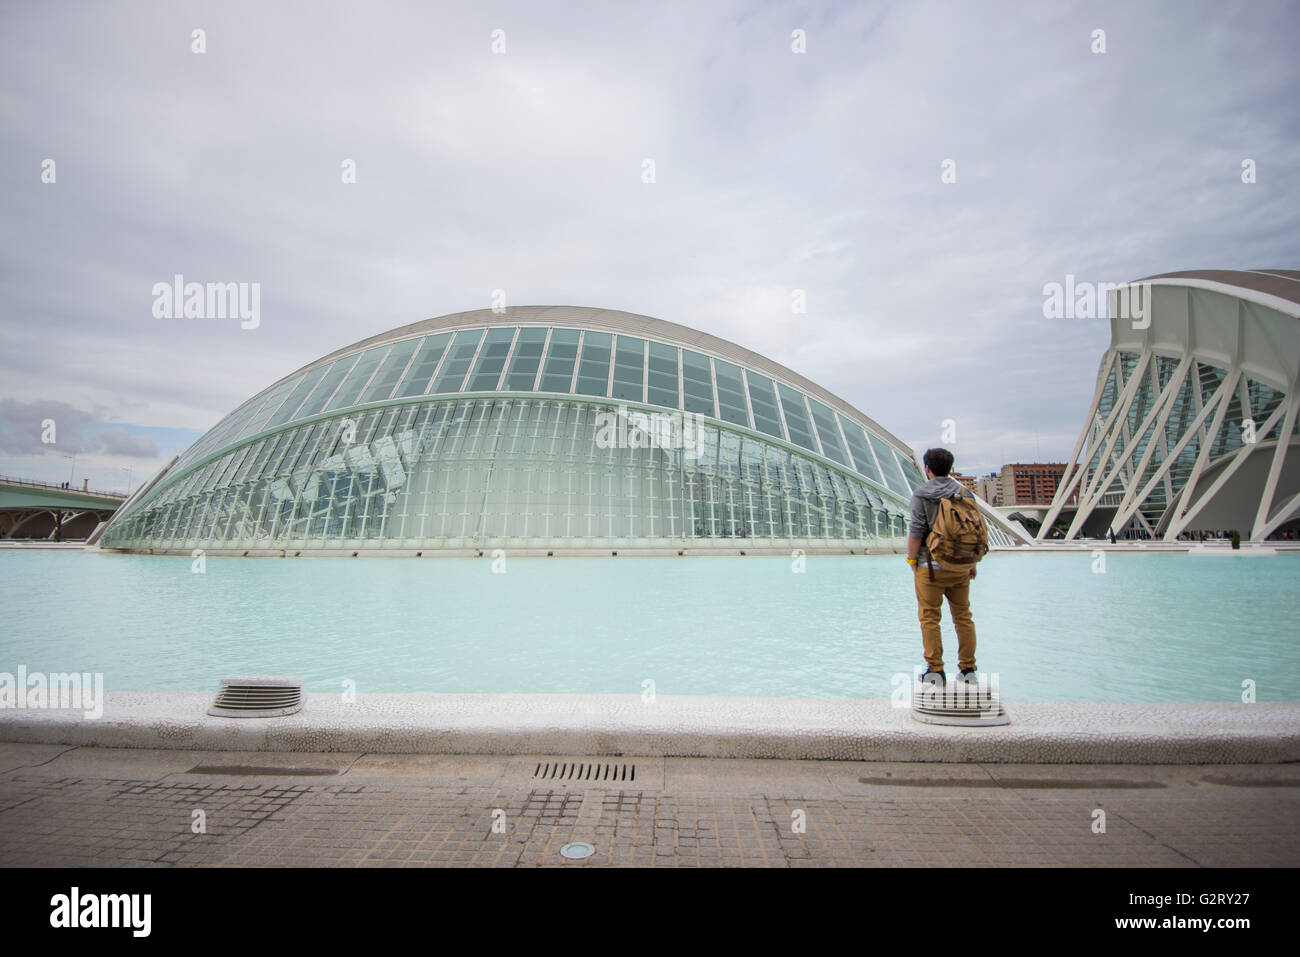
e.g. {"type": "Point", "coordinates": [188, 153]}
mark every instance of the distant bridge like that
{"type": "Point", "coordinates": [43, 510]}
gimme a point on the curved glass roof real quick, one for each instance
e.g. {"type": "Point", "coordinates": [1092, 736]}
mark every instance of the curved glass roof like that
{"type": "Point", "coordinates": [500, 356]}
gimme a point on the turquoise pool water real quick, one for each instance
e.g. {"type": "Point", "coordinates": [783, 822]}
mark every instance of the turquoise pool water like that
{"type": "Point", "coordinates": [1153, 627]}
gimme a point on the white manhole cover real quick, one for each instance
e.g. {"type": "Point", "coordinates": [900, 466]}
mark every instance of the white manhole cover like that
{"type": "Point", "coordinates": [577, 851]}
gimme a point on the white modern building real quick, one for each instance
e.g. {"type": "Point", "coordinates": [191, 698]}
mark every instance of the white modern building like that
{"type": "Point", "coordinates": [1193, 425]}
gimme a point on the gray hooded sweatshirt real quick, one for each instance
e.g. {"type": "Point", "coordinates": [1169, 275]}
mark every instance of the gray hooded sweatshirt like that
{"type": "Point", "coordinates": [925, 509]}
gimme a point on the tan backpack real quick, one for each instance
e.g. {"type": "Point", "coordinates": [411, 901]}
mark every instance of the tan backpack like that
{"type": "Point", "coordinates": [959, 538]}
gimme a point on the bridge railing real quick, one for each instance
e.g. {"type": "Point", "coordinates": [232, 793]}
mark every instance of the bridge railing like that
{"type": "Point", "coordinates": [32, 483]}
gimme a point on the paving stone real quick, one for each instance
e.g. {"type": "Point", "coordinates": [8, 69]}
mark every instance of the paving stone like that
{"type": "Point", "coordinates": [140, 813]}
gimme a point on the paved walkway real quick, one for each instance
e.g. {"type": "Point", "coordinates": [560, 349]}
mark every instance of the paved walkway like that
{"type": "Point", "coordinates": [86, 806]}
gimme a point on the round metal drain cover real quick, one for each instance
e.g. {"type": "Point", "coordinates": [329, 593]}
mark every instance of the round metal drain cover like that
{"type": "Point", "coordinates": [577, 851]}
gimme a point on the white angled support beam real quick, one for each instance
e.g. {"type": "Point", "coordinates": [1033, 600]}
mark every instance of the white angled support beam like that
{"type": "Point", "coordinates": [1190, 507]}
{"type": "Point", "coordinates": [1221, 400]}
{"type": "Point", "coordinates": [1261, 529]}
{"type": "Point", "coordinates": [1073, 469]}
{"type": "Point", "coordinates": [1190, 433]}
{"type": "Point", "coordinates": [1159, 413]}
{"type": "Point", "coordinates": [1097, 446]}
{"type": "Point", "coordinates": [1288, 510]}
{"type": "Point", "coordinates": [1114, 426]}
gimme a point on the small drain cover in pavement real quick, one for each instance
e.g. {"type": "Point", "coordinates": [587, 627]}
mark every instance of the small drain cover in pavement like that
{"type": "Point", "coordinates": [584, 771]}
{"type": "Point", "coordinates": [577, 851]}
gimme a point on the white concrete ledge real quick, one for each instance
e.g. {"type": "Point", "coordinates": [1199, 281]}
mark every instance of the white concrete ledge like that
{"type": "Point", "coordinates": [591, 725]}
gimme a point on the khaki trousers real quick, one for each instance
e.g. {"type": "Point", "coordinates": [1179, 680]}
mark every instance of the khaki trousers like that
{"type": "Point", "coordinates": [929, 600]}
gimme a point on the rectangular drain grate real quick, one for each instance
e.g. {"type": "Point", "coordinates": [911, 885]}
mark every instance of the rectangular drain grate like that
{"type": "Point", "coordinates": [584, 771]}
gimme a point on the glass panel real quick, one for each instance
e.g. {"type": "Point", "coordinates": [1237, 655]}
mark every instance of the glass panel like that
{"type": "Point", "coordinates": [524, 363]}
{"type": "Point", "coordinates": [274, 445]}
{"type": "Point", "coordinates": [252, 454]}
{"type": "Point", "coordinates": [697, 383]}
{"type": "Point", "coordinates": [357, 378]}
{"type": "Point", "coordinates": [731, 393]}
{"type": "Point", "coordinates": [593, 370]}
{"type": "Point", "coordinates": [452, 374]}
{"type": "Point", "coordinates": [417, 377]}
{"type": "Point", "coordinates": [629, 369]}
{"type": "Point", "coordinates": [893, 474]}
{"type": "Point", "coordinates": [382, 386]}
{"type": "Point", "coordinates": [266, 407]}
{"type": "Point", "coordinates": [914, 476]}
{"type": "Point", "coordinates": [321, 394]}
{"type": "Point", "coordinates": [863, 460]}
{"type": "Point", "coordinates": [300, 392]}
{"type": "Point", "coordinates": [762, 397]}
{"type": "Point", "coordinates": [662, 388]}
{"type": "Point", "coordinates": [491, 360]}
{"type": "Point", "coordinates": [557, 374]}
{"type": "Point", "coordinates": [828, 432]}
{"type": "Point", "coordinates": [201, 447]}
{"type": "Point", "coordinates": [454, 473]}
{"type": "Point", "coordinates": [796, 419]}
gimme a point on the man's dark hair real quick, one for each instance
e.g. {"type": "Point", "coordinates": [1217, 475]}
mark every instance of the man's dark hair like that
{"type": "Point", "coordinates": [938, 461]}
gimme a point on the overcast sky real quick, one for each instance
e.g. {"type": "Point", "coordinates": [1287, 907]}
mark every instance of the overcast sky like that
{"type": "Point", "coordinates": [522, 170]}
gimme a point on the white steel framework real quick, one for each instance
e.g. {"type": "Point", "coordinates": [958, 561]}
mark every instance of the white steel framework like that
{"type": "Point", "coordinates": [1193, 425]}
{"type": "Point", "coordinates": [486, 429]}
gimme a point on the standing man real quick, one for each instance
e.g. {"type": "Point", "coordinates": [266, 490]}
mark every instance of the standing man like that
{"type": "Point", "coordinates": [933, 581]}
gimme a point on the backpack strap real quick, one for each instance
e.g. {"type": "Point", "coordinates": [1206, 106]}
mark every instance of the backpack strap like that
{"type": "Point", "coordinates": [929, 558]}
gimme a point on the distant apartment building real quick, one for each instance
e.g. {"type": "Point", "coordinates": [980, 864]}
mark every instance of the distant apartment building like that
{"type": "Point", "coordinates": [989, 488]}
{"type": "Point", "coordinates": [1021, 483]}
{"type": "Point", "coordinates": [1031, 483]}
{"type": "Point", "coordinates": [967, 481]}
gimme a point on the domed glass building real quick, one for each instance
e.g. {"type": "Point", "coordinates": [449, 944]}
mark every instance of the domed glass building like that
{"type": "Point", "coordinates": [549, 428]}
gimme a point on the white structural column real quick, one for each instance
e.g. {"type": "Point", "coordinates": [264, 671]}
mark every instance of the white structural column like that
{"type": "Point", "coordinates": [1266, 522]}
{"type": "Point", "coordinates": [1132, 442]}
{"type": "Point", "coordinates": [1073, 474]}
{"type": "Point", "coordinates": [1114, 428]}
{"type": "Point", "coordinates": [1160, 410]}
{"type": "Point", "coordinates": [1192, 506]}
{"type": "Point", "coordinates": [1219, 400]}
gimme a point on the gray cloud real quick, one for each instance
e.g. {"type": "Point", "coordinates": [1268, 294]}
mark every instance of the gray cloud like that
{"type": "Point", "coordinates": [26, 428]}
{"type": "Point", "coordinates": [116, 440]}
{"type": "Point", "coordinates": [522, 172]}
{"type": "Point", "coordinates": [48, 427]}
